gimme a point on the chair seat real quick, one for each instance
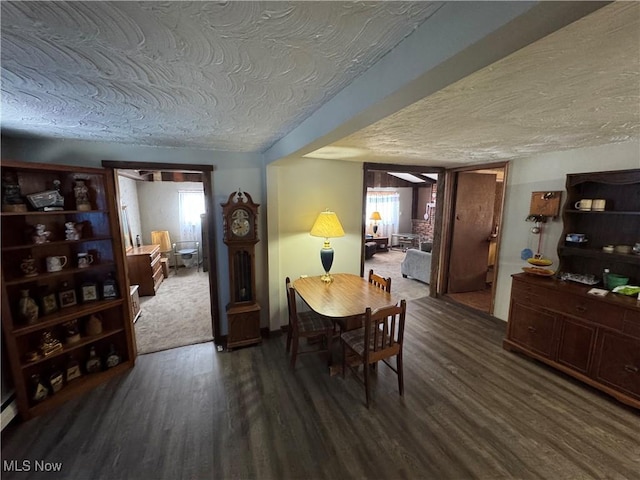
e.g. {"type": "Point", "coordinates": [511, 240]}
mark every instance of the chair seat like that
{"type": "Point", "coordinates": [312, 322]}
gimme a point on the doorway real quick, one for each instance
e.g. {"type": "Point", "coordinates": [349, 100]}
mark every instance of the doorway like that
{"type": "Point", "coordinates": [473, 235]}
{"type": "Point", "coordinates": [181, 173]}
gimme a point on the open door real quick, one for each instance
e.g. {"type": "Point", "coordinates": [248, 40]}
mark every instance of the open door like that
{"type": "Point", "coordinates": [472, 231]}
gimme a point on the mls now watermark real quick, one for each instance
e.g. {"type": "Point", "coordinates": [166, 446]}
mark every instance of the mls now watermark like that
{"type": "Point", "coordinates": [30, 466]}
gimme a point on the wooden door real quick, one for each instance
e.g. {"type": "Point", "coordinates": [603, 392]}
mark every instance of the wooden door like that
{"type": "Point", "coordinates": [472, 227]}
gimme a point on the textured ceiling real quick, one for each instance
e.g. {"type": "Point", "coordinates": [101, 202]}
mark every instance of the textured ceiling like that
{"type": "Point", "coordinates": [578, 87]}
{"type": "Point", "coordinates": [234, 76]}
{"type": "Point", "coordinates": [239, 76]}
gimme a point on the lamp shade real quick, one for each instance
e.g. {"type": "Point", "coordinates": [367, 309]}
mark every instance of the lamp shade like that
{"type": "Point", "coordinates": [327, 225]}
{"type": "Point", "coordinates": [161, 237]}
{"type": "Point", "coordinates": [375, 216]}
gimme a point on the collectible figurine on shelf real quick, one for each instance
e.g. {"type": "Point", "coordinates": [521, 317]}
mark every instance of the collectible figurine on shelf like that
{"type": "Point", "coordinates": [72, 231]}
{"type": "Point", "coordinates": [49, 344]}
{"type": "Point", "coordinates": [56, 380]}
{"type": "Point", "coordinates": [94, 325]}
{"type": "Point", "coordinates": [39, 391]}
{"type": "Point", "coordinates": [41, 234]}
{"type": "Point", "coordinates": [71, 332]}
{"type": "Point", "coordinates": [81, 192]}
{"type": "Point", "coordinates": [28, 308]}
{"type": "Point", "coordinates": [73, 369]}
{"type": "Point", "coordinates": [28, 267]}
{"type": "Point", "coordinates": [93, 364]}
{"type": "Point", "coordinates": [11, 197]}
{"type": "Point", "coordinates": [113, 358]}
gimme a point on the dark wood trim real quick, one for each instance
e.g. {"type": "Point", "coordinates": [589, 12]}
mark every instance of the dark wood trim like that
{"type": "Point", "coordinates": [167, 167]}
{"type": "Point", "coordinates": [206, 171]}
{"type": "Point", "coordinates": [417, 170]}
{"type": "Point", "coordinates": [447, 225]}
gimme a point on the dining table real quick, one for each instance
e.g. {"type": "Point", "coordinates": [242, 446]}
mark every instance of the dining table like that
{"type": "Point", "coordinates": [344, 300]}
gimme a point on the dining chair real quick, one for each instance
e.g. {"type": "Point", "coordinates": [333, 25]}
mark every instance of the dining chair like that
{"type": "Point", "coordinates": [380, 281]}
{"type": "Point", "coordinates": [307, 324]}
{"type": "Point", "coordinates": [380, 339]}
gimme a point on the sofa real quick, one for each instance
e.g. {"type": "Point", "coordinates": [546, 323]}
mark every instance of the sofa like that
{"type": "Point", "coordinates": [417, 263]}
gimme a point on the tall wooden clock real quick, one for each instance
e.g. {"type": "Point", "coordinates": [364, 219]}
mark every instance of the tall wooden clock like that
{"type": "Point", "coordinates": [239, 217]}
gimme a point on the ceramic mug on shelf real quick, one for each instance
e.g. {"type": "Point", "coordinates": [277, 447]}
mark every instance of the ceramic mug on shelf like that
{"type": "Point", "coordinates": [598, 204]}
{"type": "Point", "coordinates": [576, 237]}
{"type": "Point", "coordinates": [84, 260]}
{"type": "Point", "coordinates": [584, 204]}
{"type": "Point", "coordinates": [56, 263]}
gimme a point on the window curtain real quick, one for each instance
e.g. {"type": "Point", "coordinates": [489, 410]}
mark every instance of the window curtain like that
{"type": "Point", "coordinates": [387, 202]}
{"type": "Point", "coordinates": [191, 206]}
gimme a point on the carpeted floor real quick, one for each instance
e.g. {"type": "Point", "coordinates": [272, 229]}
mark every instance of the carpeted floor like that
{"type": "Point", "coordinates": [178, 315]}
{"type": "Point", "coordinates": [387, 264]}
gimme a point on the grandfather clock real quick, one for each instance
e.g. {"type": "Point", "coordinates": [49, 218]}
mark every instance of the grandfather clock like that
{"type": "Point", "coordinates": [239, 216]}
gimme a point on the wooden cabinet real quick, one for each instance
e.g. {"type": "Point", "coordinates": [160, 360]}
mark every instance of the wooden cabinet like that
{"type": "Point", "coordinates": [618, 224]}
{"type": "Point", "coordinates": [595, 339]}
{"type": "Point", "coordinates": [70, 299]}
{"type": "Point", "coordinates": [145, 268]}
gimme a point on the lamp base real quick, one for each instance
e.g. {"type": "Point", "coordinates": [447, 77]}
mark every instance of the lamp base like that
{"type": "Point", "coordinates": [326, 278]}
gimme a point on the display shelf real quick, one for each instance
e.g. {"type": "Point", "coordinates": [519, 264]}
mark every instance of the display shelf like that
{"type": "Point", "coordinates": [61, 273]}
{"type": "Point", "coordinates": [101, 238]}
{"type": "Point", "coordinates": [53, 212]}
{"type": "Point", "coordinates": [69, 348]}
{"type": "Point", "coordinates": [66, 314]}
{"type": "Point", "coordinates": [74, 388]}
{"type": "Point", "coordinates": [606, 212]}
{"type": "Point", "coordinates": [598, 253]}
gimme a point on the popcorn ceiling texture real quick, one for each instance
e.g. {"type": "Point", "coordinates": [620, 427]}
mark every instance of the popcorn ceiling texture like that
{"type": "Point", "coordinates": [228, 76]}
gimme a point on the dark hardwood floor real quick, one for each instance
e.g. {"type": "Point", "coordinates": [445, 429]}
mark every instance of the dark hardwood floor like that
{"type": "Point", "coordinates": [470, 410]}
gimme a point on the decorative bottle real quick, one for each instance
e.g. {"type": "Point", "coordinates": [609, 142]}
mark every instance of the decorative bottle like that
{"type": "Point", "coordinates": [113, 358]}
{"type": "Point", "coordinates": [93, 364]}
{"type": "Point", "coordinates": [28, 308]}
{"type": "Point", "coordinates": [605, 278]}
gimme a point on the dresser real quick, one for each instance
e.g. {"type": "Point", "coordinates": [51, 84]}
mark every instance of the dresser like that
{"type": "Point", "coordinates": [145, 268]}
{"type": "Point", "coordinates": [594, 339]}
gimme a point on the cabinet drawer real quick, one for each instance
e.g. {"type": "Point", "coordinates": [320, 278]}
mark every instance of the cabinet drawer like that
{"type": "Point", "coordinates": [533, 328]}
{"type": "Point", "coordinates": [631, 325]}
{"type": "Point", "coordinates": [598, 312]}
{"type": "Point", "coordinates": [618, 362]}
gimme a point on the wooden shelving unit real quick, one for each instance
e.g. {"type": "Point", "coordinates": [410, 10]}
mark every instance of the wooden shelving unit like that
{"type": "Point", "coordinates": [101, 238]}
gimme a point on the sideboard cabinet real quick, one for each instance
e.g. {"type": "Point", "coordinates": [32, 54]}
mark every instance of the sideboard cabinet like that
{"type": "Point", "coordinates": [594, 339]}
{"type": "Point", "coordinates": [62, 252]}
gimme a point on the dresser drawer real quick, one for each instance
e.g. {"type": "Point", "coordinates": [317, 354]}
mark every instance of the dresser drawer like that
{"type": "Point", "coordinates": [601, 313]}
{"type": "Point", "coordinates": [618, 363]}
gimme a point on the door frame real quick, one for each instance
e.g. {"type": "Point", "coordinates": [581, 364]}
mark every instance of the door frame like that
{"type": "Point", "coordinates": [206, 172]}
{"type": "Point", "coordinates": [448, 220]}
{"type": "Point", "coordinates": [438, 216]}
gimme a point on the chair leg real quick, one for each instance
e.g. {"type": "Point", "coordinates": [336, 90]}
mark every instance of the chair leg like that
{"type": "Point", "coordinates": [400, 377]}
{"type": "Point", "coordinates": [344, 359]}
{"type": "Point", "coordinates": [329, 337]}
{"type": "Point", "coordinates": [294, 352]}
{"type": "Point", "coordinates": [366, 382]}
{"type": "Point", "coordinates": [289, 339]}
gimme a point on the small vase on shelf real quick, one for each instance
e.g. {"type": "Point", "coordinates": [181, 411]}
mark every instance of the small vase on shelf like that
{"type": "Point", "coordinates": [28, 308]}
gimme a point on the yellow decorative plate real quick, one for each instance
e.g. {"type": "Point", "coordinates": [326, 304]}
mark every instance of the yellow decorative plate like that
{"type": "Point", "coordinates": [540, 262]}
{"type": "Point", "coordinates": [542, 272]}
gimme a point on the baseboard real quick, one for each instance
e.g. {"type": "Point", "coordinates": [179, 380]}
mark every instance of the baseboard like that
{"type": "Point", "coordinates": [9, 412]}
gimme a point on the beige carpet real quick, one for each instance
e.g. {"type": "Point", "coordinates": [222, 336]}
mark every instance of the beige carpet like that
{"type": "Point", "coordinates": [178, 315]}
{"type": "Point", "coordinates": [387, 264]}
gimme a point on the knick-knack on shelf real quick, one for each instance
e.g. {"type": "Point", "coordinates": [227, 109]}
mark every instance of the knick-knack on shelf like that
{"type": "Point", "coordinates": [113, 358]}
{"type": "Point", "coordinates": [81, 192]}
{"type": "Point", "coordinates": [94, 325]}
{"type": "Point", "coordinates": [56, 380]}
{"type": "Point", "coordinates": [38, 391]}
{"type": "Point", "coordinates": [93, 364]}
{"type": "Point", "coordinates": [28, 308]}
{"type": "Point", "coordinates": [73, 369]}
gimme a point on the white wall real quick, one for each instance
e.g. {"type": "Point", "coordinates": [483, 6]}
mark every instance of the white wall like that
{"type": "Point", "coordinates": [298, 191]}
{"type": "Point", "coordinates": [541, 173]}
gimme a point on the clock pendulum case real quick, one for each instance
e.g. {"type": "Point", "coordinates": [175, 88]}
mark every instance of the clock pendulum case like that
{"type": "Point", "coordinates": [239, 218]}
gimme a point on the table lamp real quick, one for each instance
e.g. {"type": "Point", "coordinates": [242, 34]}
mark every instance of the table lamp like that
{"type": "Point", "coordinates": [161, 237]}
{"type": "Point", "coordinates": [375, 216]}
{"type": "Point", "coordinates": [328, 226]}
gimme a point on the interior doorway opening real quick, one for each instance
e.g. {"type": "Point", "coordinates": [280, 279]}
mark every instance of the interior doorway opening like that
{"type": "Point", "coordinates": [472, 230]}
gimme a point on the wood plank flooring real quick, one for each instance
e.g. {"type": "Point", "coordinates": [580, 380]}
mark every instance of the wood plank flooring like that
{"type": "Point", "coordinates": [470, 410]}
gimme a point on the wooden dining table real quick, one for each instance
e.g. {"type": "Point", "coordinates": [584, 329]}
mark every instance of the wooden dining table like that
{"type": "Point", "coordinates": [344, 300]}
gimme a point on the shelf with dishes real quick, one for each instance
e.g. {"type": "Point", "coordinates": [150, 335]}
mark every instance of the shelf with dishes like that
{"type": "Point", "coordinates": [604, 212]}
{"type": "Point", "coordinates": [31, 213]}
{"type": "Point", "coordinates": [54, 243]}
{"type": "Point", "coordinates": [60, 273]}
{"type": "Point", "coordinates": [599, 253]}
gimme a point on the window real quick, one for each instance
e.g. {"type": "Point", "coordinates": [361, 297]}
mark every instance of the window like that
{"type": "Point", "coordinates": [387, 202]}
{"type": "Point", "coordinates": [191, 207]}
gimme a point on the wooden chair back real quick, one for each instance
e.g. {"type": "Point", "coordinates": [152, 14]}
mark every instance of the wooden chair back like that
{"type": "Point", "coordinates": [291, 304]}
{"type": "Point", "coordinates": [379, 281]}
{"type": "Point", "coordinates": [384, 332]}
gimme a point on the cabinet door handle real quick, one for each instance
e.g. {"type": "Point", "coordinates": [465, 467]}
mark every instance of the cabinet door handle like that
{"type": "Point", "coordinates": [581, 308]}
{"type": "Point", "coordinates": [532, 329]}
{"type": "Point", "coordinates": [631, 368]}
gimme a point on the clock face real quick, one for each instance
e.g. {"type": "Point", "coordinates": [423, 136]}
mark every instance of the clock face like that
{"type": "Point", "coordinates": [240, 225]}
